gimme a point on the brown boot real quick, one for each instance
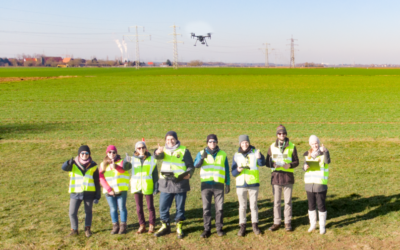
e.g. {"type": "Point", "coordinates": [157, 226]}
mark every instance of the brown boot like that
{"type": "Point", "coordinates": [288, 227]}
{"type": "Point", "coordinates": [141, 229]}
{"type": "Point", "coordinates": [88, 233]}
{"type": "Point", "coordinates": [151, 229]}
{"type": "Point", "coordinates": [115, 228]}
{"type": "Point", "coordinates": [122, 228]}
{"type": "Point", "coordinates": [256, 230]}
{"type": "Point", "coordinates": [242, 230]}
{"type": "Point", "coordinates": [73, 232]}
{"type": "Point", "coordinates": [274, 227]}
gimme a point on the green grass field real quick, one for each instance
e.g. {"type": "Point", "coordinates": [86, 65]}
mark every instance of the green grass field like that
{"type": "Point", "coordinates": [355, 113]}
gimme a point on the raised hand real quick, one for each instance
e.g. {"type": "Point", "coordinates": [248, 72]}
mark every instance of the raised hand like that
{"type": "Point", "coordinates": [258, 154]}
{"type": "Point", "coordinates": [159, 149]}
{"type": "Point", "coordinates": [322, 148]}
{"type": "Point", "coordinates": [127, 158]}
{"type": "Point", "coordinates": [204, 155]}
{"type": "Point", "coordinates": [70, 161]}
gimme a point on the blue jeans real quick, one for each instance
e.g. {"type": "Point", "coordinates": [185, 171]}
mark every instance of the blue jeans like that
{"type": "Point", "coordinates": [166, 203]}
{"type": "Point", "coordinates": [115, 203]}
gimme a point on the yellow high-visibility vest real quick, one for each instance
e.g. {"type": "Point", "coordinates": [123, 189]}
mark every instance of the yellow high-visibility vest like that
{"type": "Point", "coordinates": [174, 162]}
{"type": "Point", "coordinates": [282, 158]}
{"type": "Point", "coordinates": [117, 181]}
{"type": "Point", "coordinates": [250, 176]}
{"type": "Point", "coordinates": [79, 183]}
{"type": "Point", "coordinates": [142, 176]}
{"type": "Point", "coordinates": [213, 169]}
{"type": "Point", "coordinates": [318, 174]}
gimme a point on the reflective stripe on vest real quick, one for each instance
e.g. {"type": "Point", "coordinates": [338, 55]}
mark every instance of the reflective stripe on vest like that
{"type": "Point", "coordinates": [116, 180]}
{"type": "Point", "coordinates": [79, 183]}
{"type": "Point", "coordinates": [317, 174]}
{"type": "Point", "coordinates": [250, 176]}
{"type": "Point", "coordinates": [142, 176]}
{"type": "Point", "coordinates": [282, 158]}
{"type": "Point", "coordinates": [174, 162]}
{"type": "Point", "coordinates": [213, 169]}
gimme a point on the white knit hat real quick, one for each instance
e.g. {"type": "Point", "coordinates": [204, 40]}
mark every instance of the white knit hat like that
{"type": "Point", "coordinates": [312, 139]}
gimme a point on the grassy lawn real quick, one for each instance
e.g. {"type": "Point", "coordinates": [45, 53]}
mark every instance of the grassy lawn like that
{"type": "Point", "coordinates": [353, 111]}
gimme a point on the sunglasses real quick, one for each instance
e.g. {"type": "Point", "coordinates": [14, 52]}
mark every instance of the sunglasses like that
{"type": "Point", "coordinates": [141, 148]}
{"type": "Point", "coordinates": [281, 134]}
{"type": "Point", "coordinates": [111, 152]}
{"type": "Point", "coordinates": [84, 153]}
{"type": "Point", "coordinates": [212, 141]}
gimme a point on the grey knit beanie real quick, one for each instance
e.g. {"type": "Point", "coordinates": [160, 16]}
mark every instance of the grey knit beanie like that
{"type": "Point", "coordinates": [139, 143]}
{"type": "Point", "coordinates": [243, 138]}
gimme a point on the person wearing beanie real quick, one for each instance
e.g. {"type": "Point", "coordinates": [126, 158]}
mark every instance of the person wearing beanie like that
{"type": "Point", "coordinates": [245, 167]}
{"type": "Point", "coordinates": [84, 186]}
{"type": "Point", "coordinates": [144, 182]}
{"type": "Point", "coordinates": [214, 177]}
{"type": "Point", "coordinates": [282, 159]}
{"type": "Point", "coordinates": [176, 170]}
{"type": "Point", "coordinates": [316, 175]}
{"type": "Point", "coordinates": [115, 182]}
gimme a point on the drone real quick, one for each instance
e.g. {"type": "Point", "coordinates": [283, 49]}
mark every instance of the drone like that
{"type": "Point", "coordinates": [202, 39]}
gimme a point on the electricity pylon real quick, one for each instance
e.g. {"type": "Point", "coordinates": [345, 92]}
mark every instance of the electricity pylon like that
{"type": "Point", "coordinates": [292, 60]}
{"type": "Point", "coordinates": [266, 54]}
{"type": "Point", "coordinates": [135, 38]}
{"type": "Point", "coordinates": [175, 41]}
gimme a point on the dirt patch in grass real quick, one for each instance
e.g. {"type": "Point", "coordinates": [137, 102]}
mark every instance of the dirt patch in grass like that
{"type": "Point", "coordinates": [19, 79]}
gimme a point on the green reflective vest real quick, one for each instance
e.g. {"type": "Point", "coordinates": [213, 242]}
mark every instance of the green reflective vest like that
{"type": "Point", "coordinates": [174, 162]}
{"type": "Point", "coordinates": [213, 169]}
{"type": "Point", "coordinates": [117, 181]}
{"type": "Point", "coordinates": [250, 176]}
{"type": "Point", "coordinates": [79, 183]}
{"type": "Point", "coordinates": [281, 158]}
{"type": "Point", "coordinates": [142, 176]}
{"type": "Point", "coordinates": [318, 172]}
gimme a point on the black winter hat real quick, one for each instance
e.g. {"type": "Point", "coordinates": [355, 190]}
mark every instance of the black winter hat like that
{"type": "Point", "coordinates": [172, 133]}
{"type": "Point", "coordinates": [84, 148]}
{"type": "Point", "coordinates": [212, 136]}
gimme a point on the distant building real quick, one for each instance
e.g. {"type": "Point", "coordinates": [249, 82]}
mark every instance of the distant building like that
{"type": "Point", "coordinates": [53, 59]}
{"type": "Point", "coordinates": [67, 59]}
{"type": "Point", "coordinates": [150, 63]}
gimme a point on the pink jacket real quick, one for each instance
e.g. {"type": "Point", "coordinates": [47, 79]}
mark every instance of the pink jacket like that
{"type": "Point", "coordinates": [103, 181]}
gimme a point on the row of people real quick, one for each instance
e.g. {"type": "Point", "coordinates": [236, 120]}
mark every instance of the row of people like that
{"type": "Point", "coordinates": [140, 173]}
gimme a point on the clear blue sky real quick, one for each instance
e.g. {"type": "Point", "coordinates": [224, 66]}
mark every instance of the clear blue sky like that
{"type": "Point", "coordinates": [327, 31]}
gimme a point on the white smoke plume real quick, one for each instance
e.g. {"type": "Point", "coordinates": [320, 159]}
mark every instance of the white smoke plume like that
{"type": "Point", "coordinates": [119, 45]}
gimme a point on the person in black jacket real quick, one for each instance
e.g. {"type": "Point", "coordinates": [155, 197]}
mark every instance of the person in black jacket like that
{"type": "Point", "coordinates": [84, 186]}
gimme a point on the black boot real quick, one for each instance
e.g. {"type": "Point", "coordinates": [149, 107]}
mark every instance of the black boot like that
{"type": "Point", "coordinates": [205, 234]}
{"type": "Point", "coordinates": [242, 230]}
{"type": "Point", "coordinates": [164, 230]}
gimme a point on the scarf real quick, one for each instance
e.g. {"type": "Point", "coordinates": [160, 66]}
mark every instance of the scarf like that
{"type": "Point", "coordinates": [172, 149]}
{"type": "Point", "coordinates": [82, 163]}
{"type": "Point", "coordinates": [315, 154]}
{"type": "Point", "coordinates": [212, 152]}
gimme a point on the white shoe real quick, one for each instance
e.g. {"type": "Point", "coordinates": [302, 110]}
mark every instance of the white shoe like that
{"type": "Point", "coordinates": [322, 222]}
{"type": "Point", "coordinates": [312, 215]}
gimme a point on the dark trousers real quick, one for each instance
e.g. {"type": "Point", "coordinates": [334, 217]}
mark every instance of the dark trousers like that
{"type": "Point", "coordinates": [315, 199]}
{"type": "Point", "coordinates": [73, 212]}
{"type": "Point", "coordinates": [206, 195]}
{"type": "Point", "coordinates": [166, 200]}
{"type": "Point", "coordinates": [150, 207]}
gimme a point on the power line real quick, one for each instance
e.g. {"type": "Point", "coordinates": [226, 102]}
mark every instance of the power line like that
{"type": "Point", "coordinates": [175, 41]}
{"type": "Point", "coordinates": [137, 42]}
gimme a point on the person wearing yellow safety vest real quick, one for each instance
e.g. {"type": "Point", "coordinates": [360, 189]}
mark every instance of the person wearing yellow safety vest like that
{"type": "Point", "coordinates": [115, 182]}
{"type": "Point", "coordinates": [214, 177]}
{"type": "Point", "coordinates": [176, 170]}
{"type": "Point", "coordinates": [143, 183]}
{"type": "Point", "coordinates": [316, 179]}
{"type": "Point", "coordinates": [84, 186]}
{"type": "Point", "coordinates": [245, 167]}
{"type": "Point", "coordinates": [282, 159]}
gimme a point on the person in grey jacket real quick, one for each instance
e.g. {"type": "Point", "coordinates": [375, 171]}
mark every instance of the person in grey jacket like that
{"type": "Point", "coordinates": [176, 169]}
{"type": "Point", "coordinates": [316, 182]}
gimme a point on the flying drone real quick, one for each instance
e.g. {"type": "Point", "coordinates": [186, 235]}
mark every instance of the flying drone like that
{"type": "Point", "coordinates": [202, 39]}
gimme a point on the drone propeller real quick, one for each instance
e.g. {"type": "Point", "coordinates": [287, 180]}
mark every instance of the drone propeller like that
{"type": "Point", "coordinates": [192, 34]}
